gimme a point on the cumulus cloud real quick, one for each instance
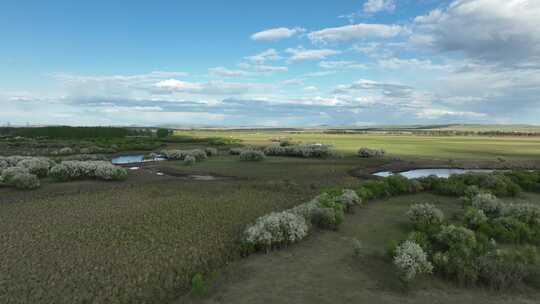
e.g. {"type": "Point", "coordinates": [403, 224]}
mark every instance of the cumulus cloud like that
{"type": "Point", "coordinates": [504, 31]}
{"type": "Point", "coordinates": [354, 32]}
{"type": "Point", "coordinates": [300, 53]}
{"type": "Point", "coordinates": [268, 55]}
{"type": "Point", "coordinates": [276, 34]}
{"type": "Point", "coordinates": [375, 6]}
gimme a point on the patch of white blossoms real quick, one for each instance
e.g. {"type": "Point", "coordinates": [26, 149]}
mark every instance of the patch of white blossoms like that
{"type": "Point", "coordinates": [69, 170]}
{"type": "Point", "coordinates": [423, 215]}
{"type": "Point", "coordinates": [411, 260]}
{"type": "Point", "coordinates": [276, 229]}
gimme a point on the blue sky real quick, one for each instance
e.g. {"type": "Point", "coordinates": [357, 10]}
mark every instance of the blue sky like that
{"type": "Point", "coordinates": [270, 63]}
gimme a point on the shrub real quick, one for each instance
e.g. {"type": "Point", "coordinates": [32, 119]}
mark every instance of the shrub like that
{"type": "Point", "coordinates": [508, 229]}
{"type": "Point", "coordinates": [198, 285]}
{"type": "Point", "coordinates": [252, 155]}
{"type": "Point", "coordinates": [65, 151]}
{"type": "Point", "coordinates": [527, 180]}
{"type": "Point", "coordinates": [211, 151]}
{"type": "Point", "coordinates": [9, 173]}
{"type": "Point", "coordinates": [276, 229]}
{"type": "Point", "coordinates": [24, 181]}
{"type": "Point", "coordinates": [410, 261]}
{"type": "Point", "coordinates": [525, 212]}
{"type": "Point", "coordinates": [189, 160]}
{"type": "Point", "coordinates": [304, 150]}
{"type": "Point", "coordinates": [369, 153]}
{"type": "Point", "coordinates": [421, 238]}
{"type": "Point", "coordinates": [398, 184]}
{"type": "Point", "coordinates": [327, 218]}
{"type": "Point", "coordinates": [72, 170]}
{"type": "Point", "coordinates": [181, 154]}
{"type": "Point", "coordinates": [162, 133]}
{"type": "Point", "coordinates": [501, 269]}
{"type": "Point", "coordinates": [348, 199]}
{"type": "Point", "coordinates": [425, 217]}
{"type": "Point", "coordinates": [489, 204]}
{"type": "Point", "coordinates": [377, 189]}
{"type": "Point", "coordinates": [235, 151]}
{"type": "Point", "coordinates": [457, 249]}
{"type": "Point", "coordinates": [35, 165]}
{"type": "Point", "coordinates": [474, 218]}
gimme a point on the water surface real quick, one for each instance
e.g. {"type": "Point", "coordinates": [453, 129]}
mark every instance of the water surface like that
{"type": "Point", "coordinates": [439, 172]}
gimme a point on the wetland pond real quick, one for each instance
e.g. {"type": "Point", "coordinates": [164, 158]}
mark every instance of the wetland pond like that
{"type": "Point", "coordinates": [439, 172]}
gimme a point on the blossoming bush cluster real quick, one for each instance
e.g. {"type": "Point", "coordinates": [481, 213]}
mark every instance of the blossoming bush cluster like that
{"type": "Point", "coordinates": [19, 177]}
{"type": "Point", "coordinates": [189, 160]}
{"type": "Point", "coordinates": [370, 153]}
{"type": "Point", "coordinates": [278, 229]}
{"type": "Point", "coordinates": [425, 216]}
{"type": "Point", "coordinates": [275, 230]}
{"type": "Point", "coordinates": [252, 155]}
{"type": "Point", "coordinates": [410, 261]}
{"type": "Point", "coordinates": [198, 154]}
{"type": "Point", "coordinates": [468, 253]}
{"type": "Point", "coordinates": [302, 150]}
{"type": "Point", "coordinates": [73, 170]}
{"type": "Point", "coordinates": [23, 172]}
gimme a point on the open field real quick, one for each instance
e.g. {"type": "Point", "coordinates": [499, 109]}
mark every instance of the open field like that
{"type": "Point", "coordinates": [411, 146]}
{"type": "Point", "coordinates": [142, 240]}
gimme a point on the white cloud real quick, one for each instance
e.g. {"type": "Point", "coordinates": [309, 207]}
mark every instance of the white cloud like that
{"type": "Point", "coordinates": [276, 34]}
{"type": "Point", "coordinates": [397, 63]}
{"type": "Point", "coordinates": [298, 54]}
{"type": "Point", "coordinates": [358, 31]}
{"type": "Point", "coordinates": [439, 113]}
{"type": "Point", "coordinates": [224, 72]}
{"type": "Point", "coordinates": [375, 6]}
{"type": "Point", "coordinates": [178, 85]}
{"type": "Point", "coordinates": [270, 68]}
{"type": "Point", "coordinates": [341, 65]}
{"type": "Point", "coordinates": [504, 31]}
{"type": "Point", "coordinates": [268, 55]}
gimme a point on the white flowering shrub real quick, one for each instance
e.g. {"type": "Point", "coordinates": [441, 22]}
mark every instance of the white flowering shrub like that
{"type": "Point", "coordinates": [276, 229]}
{"type": "Point", "coordinates": [349, 199]}
{"type": "Point", "coordinates": [410, 261]}
{"type": "Point", "coordinates": [211, 151]}
{"type": "Point", "coordinates": [369, 153]}
{"type": "Point", "coordinates": [189, 160]}
{"type": "Point", "coordinates": [24, 181]}
{"type": "Point", "coordinates": [71, 170]}
{"type": "Point", "coordinates": [65, 151]}
{"type": "Point", "coordinates": [304, 150]}
{"type": "Point", "coordinates": [3, 164]}
{"type": "Point", "coordinates": [9, 173]}
{"type": "Point", "coordinates": [182, 154]}
{"type": "Point", "coordinates": [36, 165]}
{"type": "Point", "coordinates": [252, 155]}
{"type": "Point", "coordinates": [424, 216]}
{"type": "Point", "coordinates": [489, 204]}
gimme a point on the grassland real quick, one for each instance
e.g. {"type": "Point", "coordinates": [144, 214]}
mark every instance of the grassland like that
{"type": "Point", "coordinates": [142, 240]}
{"type": "Point", "coordinates": [324, 269]}
{"type": "Point", "coordinates": [410, 146]}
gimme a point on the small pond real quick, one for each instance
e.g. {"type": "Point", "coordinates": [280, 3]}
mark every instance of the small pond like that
{"type": "Point", "coordinates": [439, 172]}
{"type": "Point", "coordinates": [133, 159]}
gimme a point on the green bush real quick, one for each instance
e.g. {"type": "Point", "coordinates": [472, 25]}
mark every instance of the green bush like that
{"type": "Point", "coordinates": [189, 160]}
{"type": "Point", "coordinates": [211, 151]}
{"type": "Point", "coordinates": [501, 269]}
{"type": "Point", "coordinates": [252, 155]}
{"type": "Point", "coordinates": [24, 181]}
{"type": "Point", "coordinates": [162, 133]}
{"type": "Point", "coordinates": [198, 285]}
{"type": "Point", "coordinates": [327, 218]}
{"type": "Point", "coordinates": [474, 218]}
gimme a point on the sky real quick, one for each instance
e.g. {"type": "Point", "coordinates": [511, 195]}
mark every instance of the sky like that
{"type": "Point", "coordinates": [269, 63]}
